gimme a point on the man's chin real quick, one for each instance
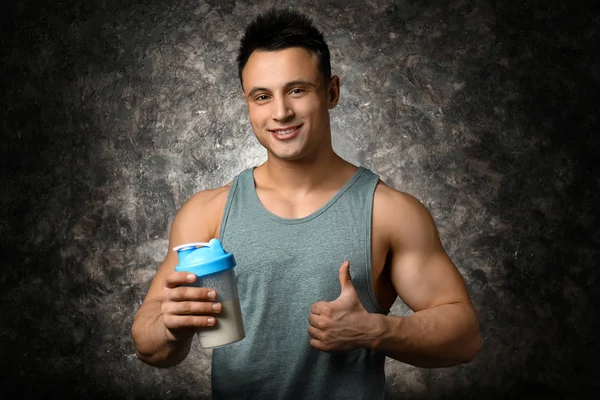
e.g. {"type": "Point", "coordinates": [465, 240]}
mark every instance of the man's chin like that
{"type": "Point", "coordinates": [286, 157]}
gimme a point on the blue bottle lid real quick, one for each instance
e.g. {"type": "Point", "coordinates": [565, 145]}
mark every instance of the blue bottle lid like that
{"type": "Point", "coordinates": [203, 258]}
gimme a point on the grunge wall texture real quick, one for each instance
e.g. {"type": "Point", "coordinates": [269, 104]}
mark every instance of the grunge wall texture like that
{"type": "Point", "coordinates": [115, 112]}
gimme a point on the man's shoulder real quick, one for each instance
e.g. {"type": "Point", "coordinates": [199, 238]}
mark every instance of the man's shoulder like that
{"type": "Point", "coordinates": [203, 211]}
{"type": "Point", "coordinates": [393, 200]}
{"type": "Point", "coordinates": [207, 198]}
{"type": "Point", "coordinates": [399, 213]}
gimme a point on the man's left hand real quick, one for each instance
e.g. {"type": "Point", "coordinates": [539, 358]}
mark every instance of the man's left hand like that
{"type": "Point", "coordinates": [343, 324]}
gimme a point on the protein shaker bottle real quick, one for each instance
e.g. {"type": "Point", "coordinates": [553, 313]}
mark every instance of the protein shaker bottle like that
{"type": "Point", "coordinates": [214, 269]}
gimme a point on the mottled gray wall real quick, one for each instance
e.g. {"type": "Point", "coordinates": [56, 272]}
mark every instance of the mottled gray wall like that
{"type": "Point", "coordinates": [114, 113]}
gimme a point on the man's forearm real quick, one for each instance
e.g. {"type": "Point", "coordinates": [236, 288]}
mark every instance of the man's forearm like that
{"type": "Point", "coordinates": [437, 337]}
{"type": "Point", "coordinates": [153, 346]}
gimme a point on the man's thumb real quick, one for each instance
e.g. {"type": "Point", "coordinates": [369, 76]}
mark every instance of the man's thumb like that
{"type": "Point", "coordinates": [345, 278]}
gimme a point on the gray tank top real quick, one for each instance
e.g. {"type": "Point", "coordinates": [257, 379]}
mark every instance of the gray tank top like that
{"type": "Point", "coordinates": [283, 267]}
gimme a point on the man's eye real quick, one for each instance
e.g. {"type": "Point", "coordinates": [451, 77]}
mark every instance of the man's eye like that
{"type": "Point", "coordinates": [296, 91]}
{"type": "Point", "coordinates": [261, 97]}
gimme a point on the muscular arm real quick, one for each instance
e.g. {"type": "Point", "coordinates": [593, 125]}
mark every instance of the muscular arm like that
{"type": "Point", "coordinates": [165, 323]}
{"type": "Point", "coordinates": [444, 328]}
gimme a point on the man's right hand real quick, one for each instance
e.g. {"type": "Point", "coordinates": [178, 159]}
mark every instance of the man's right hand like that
{"type": "Point", "coordinates": [186, 309]}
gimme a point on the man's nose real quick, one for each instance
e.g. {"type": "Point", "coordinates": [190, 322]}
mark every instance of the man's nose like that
{"type": "Point", "coordinates": [281, 110]}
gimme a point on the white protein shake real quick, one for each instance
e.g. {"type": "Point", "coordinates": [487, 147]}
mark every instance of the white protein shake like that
{"type": "Point", "coordinates": [228, 329]}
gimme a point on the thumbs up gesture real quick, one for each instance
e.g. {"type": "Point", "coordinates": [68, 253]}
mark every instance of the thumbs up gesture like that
{"type": "Point", "coordinates": [343, 324]}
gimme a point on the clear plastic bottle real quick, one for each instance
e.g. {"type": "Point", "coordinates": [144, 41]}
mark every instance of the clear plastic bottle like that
{"type": "Point", "coordinates": [214, 269]}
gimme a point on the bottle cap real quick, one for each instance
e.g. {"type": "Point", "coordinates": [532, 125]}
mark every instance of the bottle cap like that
{"type": "Point", "coordinates": [203, 258]}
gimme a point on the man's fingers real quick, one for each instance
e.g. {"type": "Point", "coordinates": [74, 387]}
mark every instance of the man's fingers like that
{"type": "Point", "coordinates": [187, 293]}
{"type": "Point", "coordinates": [317, 308]}
{"type": "Point", "coordinates": [191, 308]}
{"type": "Point", "coordinates": [317, 344]}
{"type": "Point", "coordinates": [188, 307]}
{"type": "Point", "coordinates": [188, 321]}
{"type": "Point", "coordinates": [318, 321]}
{"type": "Point", "coordinates": [175, 279]}
{"type": "Point", "coordinates": [344, 274]}
{"type": "Point", "coordinates": [318, 334]}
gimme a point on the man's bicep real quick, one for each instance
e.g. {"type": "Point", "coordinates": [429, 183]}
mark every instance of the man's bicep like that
{"type": "Point", "coordinates": [427, 280]}
{"type": "Point", "coordinates": [421, 271]}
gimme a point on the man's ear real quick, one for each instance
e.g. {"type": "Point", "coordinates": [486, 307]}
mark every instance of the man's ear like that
{"type": "Point", "coordinates": [333, 91]}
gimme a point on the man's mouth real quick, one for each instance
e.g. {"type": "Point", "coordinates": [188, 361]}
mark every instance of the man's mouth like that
{"type": "Point", "coordinates": [285, 131]}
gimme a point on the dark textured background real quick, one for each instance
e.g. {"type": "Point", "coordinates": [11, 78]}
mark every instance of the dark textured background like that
{"type": "Point", "coordinates": [116, 112]}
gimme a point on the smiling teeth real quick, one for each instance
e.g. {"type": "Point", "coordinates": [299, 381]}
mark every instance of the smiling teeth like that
{"type": "Point", "coordinates": [285, 132]}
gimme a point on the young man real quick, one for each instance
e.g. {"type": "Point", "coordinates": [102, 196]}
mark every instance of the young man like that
{"type": "Point", "coordinates": [323, 249]}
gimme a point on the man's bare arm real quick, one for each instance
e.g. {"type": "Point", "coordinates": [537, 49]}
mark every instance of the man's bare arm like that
{"type": "Point", "coordinates": [444, 329]}
{"type": "Point", "coordinates": [165, 323]}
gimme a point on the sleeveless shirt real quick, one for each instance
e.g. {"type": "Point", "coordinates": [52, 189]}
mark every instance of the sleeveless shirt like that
{"type": "Point", "coordinates": [284, 266]}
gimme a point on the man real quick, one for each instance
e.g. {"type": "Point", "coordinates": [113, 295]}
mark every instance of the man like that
{"type": "Point", "coordinates": [323, 249]}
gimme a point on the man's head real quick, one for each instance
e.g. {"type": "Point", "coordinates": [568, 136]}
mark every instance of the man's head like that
{"type": "Point", "coordinates": [286, 79]}
{"type": "Point", "coordinates": [279, 30]}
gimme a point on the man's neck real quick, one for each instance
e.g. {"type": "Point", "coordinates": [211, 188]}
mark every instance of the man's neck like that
{"type": "Point", "coordinates": [303, 177]}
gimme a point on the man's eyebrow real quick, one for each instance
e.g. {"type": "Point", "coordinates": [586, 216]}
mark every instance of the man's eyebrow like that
{"type": "Point", "coordinates": [300, 82]}
{"type": "Point", "coordinates": [257, 89]}
{"type": "Point", "coordinates": [287, 85]}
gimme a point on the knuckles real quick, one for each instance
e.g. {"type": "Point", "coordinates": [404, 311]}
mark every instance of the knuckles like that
{"type": "Point", "coordinates": [324, 324]}
{"type": "Point", "coordinates": [322, 308]}
{"type": "Point", "coordinates": [189, 321]}
{"type": "Point", "coordinates": [326, 310]}
{"type": "Point", "coordinates": [175, 294]}
{"type": "Point", "coordinates": [186, 308]}
{"type": "Point", "coordinates": [169, 321]}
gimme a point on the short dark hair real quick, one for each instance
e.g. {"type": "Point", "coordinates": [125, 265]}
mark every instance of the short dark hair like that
{"type": "Point", "coordinates": [281, 29]}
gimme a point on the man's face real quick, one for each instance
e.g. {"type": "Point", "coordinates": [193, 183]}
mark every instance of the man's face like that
{"type": "Point", "coordinates": [288, 102]}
